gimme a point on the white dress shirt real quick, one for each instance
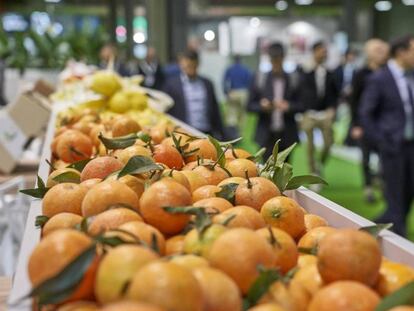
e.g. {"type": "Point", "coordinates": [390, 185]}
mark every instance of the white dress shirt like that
{"type": "Point", "coordinates": [320, 78]}
{"type": "Point", "coordinates": [195, 95]}
{"type": "Point", "coordinates": [278, 94]}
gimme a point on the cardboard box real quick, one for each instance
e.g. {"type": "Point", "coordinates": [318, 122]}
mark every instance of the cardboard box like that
{"type": "Point", "coordinates": [12, 141]}
{"type": "Point", "coordinates": [31, 112]}
{"type": "Point", "coordinates": [43, 87]}
{"type": "Point", "coordinates": [26, 117]}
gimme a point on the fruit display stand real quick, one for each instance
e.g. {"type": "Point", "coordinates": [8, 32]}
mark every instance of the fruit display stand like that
{"type": "Point", "coordinates": [394, 247]}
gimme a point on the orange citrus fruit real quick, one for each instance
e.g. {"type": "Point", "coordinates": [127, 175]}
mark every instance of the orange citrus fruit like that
{"type": "Point", "coordinates": [112, 219]}
{"type": "Point", "coordinates": [238, 253]}
{"type": "Point", "coordinates": [214, 205]}
{"type": "Point", "coordinates": [204, 192]}
{"type": "Point", "coordinates": [284, 247]}
{"type": "Point", "coordinates": [108, 194]}
{"type": "Point", "coordinates": [165, 193]}
{"type": "Point", "coordinates": [243, 216]}
{"type": "Point", "coordinates": [73, 146]}
{"type": "Point", "coordinates": [64, 198]}
{"type": "Point", "coordinates": [255, 192]}
{"type": "Point", "coordinates": [61, 221]}
{"type": "Point", "coordinates": [284, 213]}
{"type": "Point", "coordinates": [53, 253]}
{"type": "Point", "coordinates": [239, 167]}
{"type": "Point", "coordinates": [167, 285]}
{"type": "Point", "coordinates": [349, 254]}
{"type": "Point", "coordinates": [345, 296]}
{"type": "Point", "coordinates": [219, 291]}
{"type": "Point", "coordinates": [125, 260]}
{"type": "Point", "coordinates": [393, 276]}
{"type": "Point", "coordinates": [100, 167]}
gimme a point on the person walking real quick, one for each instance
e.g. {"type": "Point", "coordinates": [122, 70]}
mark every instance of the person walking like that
{"type": "Point", "coordinates": [318, 95]}
{"type": "Point", "coordinates": [151, 69]}
{"type": "Point", "coordinates": [275, 102]}
{"type": "Point", "coordinates": [236, 82]}
{"type": "Point", "coordinates": [376, 54]}
{"type": "Point", "coordinates": [344, 74]}
{"type": "Point", "coordinates": [387, 118]}
{"type": "Point", "coordinates": [194, 97]}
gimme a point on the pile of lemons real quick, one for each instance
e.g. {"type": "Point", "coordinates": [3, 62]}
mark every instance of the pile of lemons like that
{"type": "Point", "coordinates": [120, 99]}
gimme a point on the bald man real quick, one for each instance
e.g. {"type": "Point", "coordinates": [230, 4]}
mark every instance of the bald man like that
{"type": "Point", "coordinates": [376, 53]}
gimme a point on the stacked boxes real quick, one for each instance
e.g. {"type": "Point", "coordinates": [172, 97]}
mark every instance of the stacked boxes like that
{"type": "Point", "coordinates": [25, 118]}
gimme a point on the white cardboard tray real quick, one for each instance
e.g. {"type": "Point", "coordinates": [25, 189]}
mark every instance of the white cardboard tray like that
{"type": "Point", "coordinates": [394, 247]}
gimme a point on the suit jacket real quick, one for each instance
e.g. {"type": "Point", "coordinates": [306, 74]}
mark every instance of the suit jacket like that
{"type": "Point", "coordinates": [158, 76]}
{"type": "Point", "coordinates": [359, 82]}
{"type": "Point", "coordinates": [174, 87]}
{"type": "Point", "coordinates": [382, 112]}
{"type": "Point", "coordinates": [308, 95]}
{"type": "Point", "coordinates": [258, 92]}
{"type": "Point", "coordinates": [338, 75]}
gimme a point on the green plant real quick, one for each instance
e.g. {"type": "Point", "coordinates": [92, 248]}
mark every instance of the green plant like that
{"type": "Point", "coordinates": [51, 52]}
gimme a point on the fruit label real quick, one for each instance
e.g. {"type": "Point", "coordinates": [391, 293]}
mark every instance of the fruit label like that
{"type": "Point", "coordinates": [11, 136]}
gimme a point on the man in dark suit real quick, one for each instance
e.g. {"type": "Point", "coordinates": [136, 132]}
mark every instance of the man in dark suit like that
{"type": "Point", "coordinates": [376, 55]}
{"type": "Point", "coordinates": [318, 95]}
{"type": "Point", "coordinates": [151, 69]}
{"type": "Point", "coordinates": [272, 97]}
{"type": "Point", "coordinates": [387, 117]}
{"type": "Point", "coordinates": [109, 59]}
{"type": "Point", "coordinates": [344, 73]}
{"type": "Point", "coordinates": [194, 97]}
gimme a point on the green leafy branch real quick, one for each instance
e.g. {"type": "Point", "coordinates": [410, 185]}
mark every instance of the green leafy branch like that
{"type": "Point", "coordinates": [79, 165]}
{"type": "Point", "coordinates": [123, 141]}
{"type": "Point", "coordinates": [38, 192]}
{"type": "Point", "coordinates": [376, 229]}
{"type": "Point", "coordinates": [183, 148]}
{"type": "Point", "coordinates": [401, 297]}
{"type": "Point", "coordinates": [202, 219]}
{"type": "Point", "coordinates": [281, 173]}
{"type": "Point", "coordinates": [139, 165]}
{"type": "Point", "coordinates": [69, 176]}
{"type": "Point", "coordinates": [228, 192]}
{"type": "Point", "coordinates": [260, 286]}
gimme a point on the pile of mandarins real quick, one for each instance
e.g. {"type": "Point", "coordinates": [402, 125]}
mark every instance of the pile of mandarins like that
{"type": "Point", "coordinates": [193, 234]}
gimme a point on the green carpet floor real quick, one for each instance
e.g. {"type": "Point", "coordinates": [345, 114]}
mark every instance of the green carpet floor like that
{"type": "Point", "coordinates": [344, 178]}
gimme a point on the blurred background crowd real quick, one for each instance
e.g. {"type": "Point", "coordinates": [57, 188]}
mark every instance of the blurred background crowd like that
{"type": "Point", "coordinates": [334, 76]}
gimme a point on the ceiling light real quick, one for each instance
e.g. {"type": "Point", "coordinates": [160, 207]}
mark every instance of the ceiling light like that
{"type": "Point", "coordinates": [281, 5]}
{"type": "Point", "coordinates": [139, 37]}
{"type": "Point", "coordinates": [52, 1]}
{"type": "Point", "coordinates": [255, 22]}
{"type": "Point", "coordinates": [383, 6]}
{"type": "Point", "coordinates": [304, 2]}
{"type": "Point", "coordinates": [408, 2]}
{"type": "Point", "coordinates": [209, 35]}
